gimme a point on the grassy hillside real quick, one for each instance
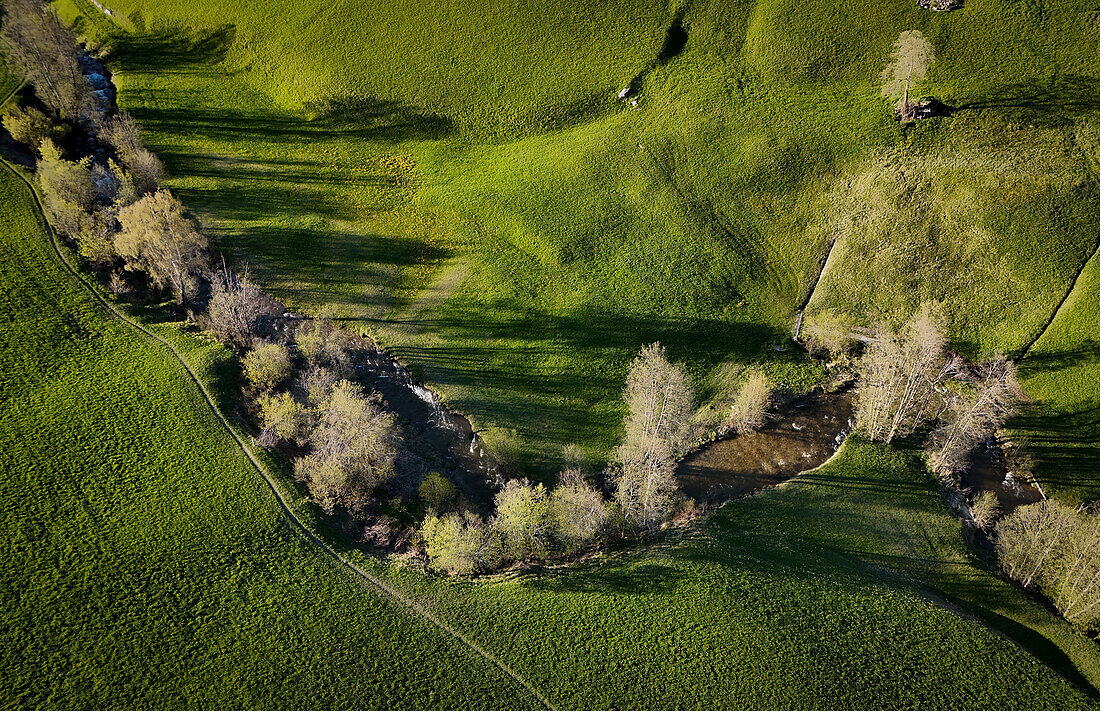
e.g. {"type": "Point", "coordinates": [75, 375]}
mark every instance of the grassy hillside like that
{"type": "Point", "coordinates": [828, 592]}
{"type": "Point", "coordinates": [461, 179]}
{"type": "Point", "coordinates": [144, 564]}
{"type": "Point", "coordinates": [1062, 372]}
{"type": "Point", "coordinates": [148, 568]}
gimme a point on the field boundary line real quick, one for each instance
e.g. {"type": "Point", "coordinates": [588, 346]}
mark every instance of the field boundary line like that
{"type": "Point", "coordinates": [1065, 298]}
{"type": "Point", "coordinates": [288, 513]}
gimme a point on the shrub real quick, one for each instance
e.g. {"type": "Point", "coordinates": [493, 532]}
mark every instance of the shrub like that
{"type": "Point", "coordinates": [437, 492]}
{"type": "Point", "coordinates": [324, 343]}
{"type": "Point", "coordinates": [523, 519]}
{"type": "Point", "coordinates": [827, 332]}
{"type": "Point", "coordinates": [750, 408]}
{"type": "Point", "coordinates": [985, 509]}
{"type": "Point", "coordinates": [267, 366]}
{"type": "Point", "coordinates": [460, 543]}
{"type": "Point", "coordinates": [579, 512]}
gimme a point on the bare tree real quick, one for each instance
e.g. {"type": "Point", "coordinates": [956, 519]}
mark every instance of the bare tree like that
{"type": "Point", "coordinates": [645, 490]}
{"type": "Point", "coordinates": [749, 409]}
{"type": "Point", "coordinates": [157, 237]}
{"type": "Point", "coordinates": [659, 397]}
{"type": "Point", "coordinates": [45, 49]}
{"type": "Point", "coordinates": [147, 170]}
{"type": "Point", "coordinates": [1075, 589]}
{"type": "Point", "coordinates": [236, 306]}
{"type": "Point", "coordinates": [354, 447]}
{"type": "Point", "coordinates": [900, 375]}
{"type": "Point", "coordinates": [975, 413]}
{"type": "Point", "coordinates": [912, 56]}
{"type": "Point", "coordinates": [1030, 539]}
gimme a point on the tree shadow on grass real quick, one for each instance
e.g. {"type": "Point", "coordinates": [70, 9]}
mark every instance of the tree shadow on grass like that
{"type": "Point", "coordinates": [170, 49]}
{"type": "Point", "coordinates": [1057, 98]}
{"type": "Point", "coordinates": [184, 50]}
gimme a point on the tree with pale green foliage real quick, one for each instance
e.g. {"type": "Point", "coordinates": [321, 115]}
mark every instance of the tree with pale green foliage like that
{"type": "Point", "coordinates": [353, 449]}
{"type": "Point", "coordinates": [158, 238]}
{"type": "Point", "coordinates": [29, 126]}
{"type": "Point", "coordinates": [460, 543]}
{"type": "Point", "coordinates": [437, 492]}
{"type": "Point", "coordinates": [267, 365]}
{"type": "Point", "coordinates": [579, 512]}
{"type": "Point", "coordinates": [523, 520]}
{"type": "Point", "coordinates": [282, 418]}
{"type": "Point", "coordinates": [68, 192]}
{"type": "Point", "coordinates": [828, 332]}
{"type": "Point", "coordinates": [750, 407]}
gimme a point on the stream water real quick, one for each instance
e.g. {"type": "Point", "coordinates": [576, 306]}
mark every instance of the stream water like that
{"type": "Point", "coordinates": [436, 439]}
{"type": "Point", "coordinates": [988, 471]}
{"type": "Point", "coordinates": [800, 436]}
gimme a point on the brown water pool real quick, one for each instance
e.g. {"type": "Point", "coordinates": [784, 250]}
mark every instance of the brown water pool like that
{"type": "Point", "coordinates": [800, 436]}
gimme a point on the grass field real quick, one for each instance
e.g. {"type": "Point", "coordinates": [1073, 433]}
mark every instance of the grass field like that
{"type": "Point", "coordinates": [150, 568]}
{"type": "Point", "coordinates": [360, 155]}
{"type": "Point", "coordinates": [826, 592]}
{"type": "Point", "coordinates": [145, 565]}
{"type": "Point", "coordinates": [1062, 373]}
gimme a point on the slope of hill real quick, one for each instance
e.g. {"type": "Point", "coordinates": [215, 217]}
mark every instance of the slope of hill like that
{"type": "Point", "coordinates": [348, 152]}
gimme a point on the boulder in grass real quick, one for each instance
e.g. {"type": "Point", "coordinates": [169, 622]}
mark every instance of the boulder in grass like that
{"type": "Point", "coordinates": [940, 5]}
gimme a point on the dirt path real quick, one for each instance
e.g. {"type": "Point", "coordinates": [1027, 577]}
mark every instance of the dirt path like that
{"type": "Point", "coordinates": [339, 561]}
{"type": "Point", "coordinates": [447, 281]}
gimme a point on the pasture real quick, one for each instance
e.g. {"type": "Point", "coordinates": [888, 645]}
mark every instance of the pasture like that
{"type": "Point", "coordinates": [151, 567]}
{"type": "Point", "coordinates": [145, 563]}
{"type": "Point", "coordinates": [479, 200]}
{"type": "Point", "coordinates": [459, 180]}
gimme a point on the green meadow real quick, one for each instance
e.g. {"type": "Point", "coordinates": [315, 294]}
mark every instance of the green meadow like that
{"type": "Point", "coordinates": [462, 182]}
{"type": "Point", "coordinates": [458, 179]}
{"type": "Point", "coordinates": [145, 564]}
{"type": "Point", "coordinates": [149, 566]}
